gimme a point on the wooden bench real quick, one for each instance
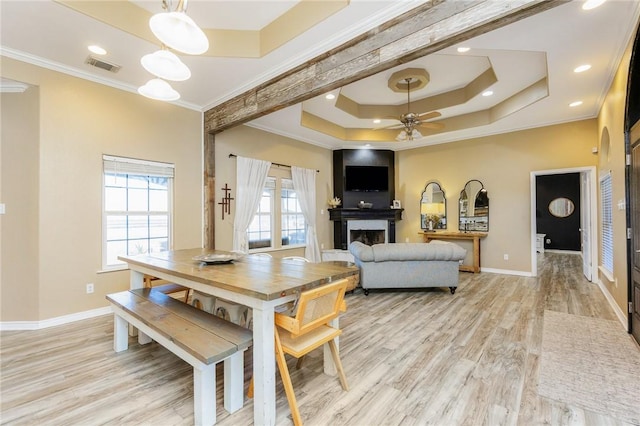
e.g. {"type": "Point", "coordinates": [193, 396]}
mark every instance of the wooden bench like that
{"type": "Point", "coordinates": [199, 338]}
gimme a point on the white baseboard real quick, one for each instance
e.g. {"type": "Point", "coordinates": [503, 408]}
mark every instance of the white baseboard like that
{"type": "Point", "coordinates": [612, 302]}
{"type": "Point", "coordinates": [52, 322]}
{"type": "Point", "coordinates": [507, 272]}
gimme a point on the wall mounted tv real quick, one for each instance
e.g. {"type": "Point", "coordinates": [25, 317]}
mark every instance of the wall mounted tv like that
{"type": "Point", "coordinates": [366, 178]}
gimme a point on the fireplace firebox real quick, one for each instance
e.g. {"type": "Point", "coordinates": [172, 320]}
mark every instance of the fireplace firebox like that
{"type": "Point", "coordinates": [367, 236]}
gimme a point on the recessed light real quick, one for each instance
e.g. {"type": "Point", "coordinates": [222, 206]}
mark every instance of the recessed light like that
{"type": "Point", "coordinates": [463, 49]}
{"type": "Point", "coordinates": [575, 104]}
{"type": "Point", "coordinates": [97, 49]}
{"type": "Point", "coordinates": [592, 4]}
{"type": "Point", "coordinates": [367, 144]}
{"type": "Point", "coordinates": [582, 68]}
{"type": "Point", "coordinates": [330, 96]}
{"type": "Point", "coordinates": [487, 93]}
{"type": "Point", "coordinates": [377, 120]}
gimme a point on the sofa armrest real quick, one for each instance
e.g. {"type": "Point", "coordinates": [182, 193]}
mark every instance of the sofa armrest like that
{"type": "Point", "coordinates": [361, 251]}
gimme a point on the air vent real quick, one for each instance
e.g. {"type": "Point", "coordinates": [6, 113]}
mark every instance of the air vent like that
{"type": "Point", "coordinates": [102, 64]}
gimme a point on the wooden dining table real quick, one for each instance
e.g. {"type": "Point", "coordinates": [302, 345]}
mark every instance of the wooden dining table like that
{"type": "Point", "coordinates": [259, 282]}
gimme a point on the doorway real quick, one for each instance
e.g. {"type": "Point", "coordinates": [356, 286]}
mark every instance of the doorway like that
{"type": "Point", "coordinates": [587, 214]}
{"type": "Point", "coordinates": [558, 211]}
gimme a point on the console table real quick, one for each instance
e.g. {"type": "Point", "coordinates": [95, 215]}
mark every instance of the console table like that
{"type": "Point", "coordinates": [471, 236]}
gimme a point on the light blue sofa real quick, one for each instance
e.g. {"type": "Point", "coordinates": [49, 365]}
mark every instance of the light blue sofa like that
{"type": "Point", "coordinates": [408, 265]}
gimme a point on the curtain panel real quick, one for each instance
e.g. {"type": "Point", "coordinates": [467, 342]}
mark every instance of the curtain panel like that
{"type": "Point", "coordinates": [304, 183]}
{"type": "Point", "coordinates": [251, 176]}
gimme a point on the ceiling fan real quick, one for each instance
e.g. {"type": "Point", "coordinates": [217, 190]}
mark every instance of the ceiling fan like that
{"type": "Point", "coordinates": [410, 121]}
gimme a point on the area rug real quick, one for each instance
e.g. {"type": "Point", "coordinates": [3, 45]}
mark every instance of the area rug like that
{"type": "Point", "coordinates": [590, 363]}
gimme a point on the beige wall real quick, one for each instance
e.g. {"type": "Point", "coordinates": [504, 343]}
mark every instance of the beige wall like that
{"type": "Point", "coordinates": [19, 171]}
{"type": "Point", "coordinates": [54, 134]}
{"type": "Point", "coordinates": [253, 143]}
{"type": "Point", "coordinates": [80, 121]}
{"type": "Point", "coordinates": [503, 163]}
{"type": "Point", "coordinates": [611, 129]}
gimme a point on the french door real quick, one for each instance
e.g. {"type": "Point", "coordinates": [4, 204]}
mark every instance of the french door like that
{"type": "Point", "coordinates": [634, 185]}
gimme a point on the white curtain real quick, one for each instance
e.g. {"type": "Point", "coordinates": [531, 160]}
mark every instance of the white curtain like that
{"type": "Point", "coordinates": [251, 176]}
{"type": "Point", "coordinates": [304, 183]}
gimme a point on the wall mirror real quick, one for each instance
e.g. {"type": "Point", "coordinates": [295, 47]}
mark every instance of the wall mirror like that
{"type": "Point", "coordinates": [433, 207]}
{"type": "Point", "coordinates": [561, 207]}
{"type": "Point", "coordinates": [473, 207]}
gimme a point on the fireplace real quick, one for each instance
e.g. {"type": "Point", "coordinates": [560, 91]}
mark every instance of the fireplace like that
{"type": "Point", "coordinates": [348, 220]}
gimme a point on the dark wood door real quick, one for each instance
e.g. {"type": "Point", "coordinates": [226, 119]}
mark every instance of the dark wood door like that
{"type": "Point", "coordinates": [635, 238]}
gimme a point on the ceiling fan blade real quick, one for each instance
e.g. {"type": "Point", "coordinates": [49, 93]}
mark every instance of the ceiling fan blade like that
{"type": "Point", "coordinates": [433, 126]}
{"type": "Point", "coordinates": [429, 115]}
{"type": "Point", "coordinates": [392, 126]}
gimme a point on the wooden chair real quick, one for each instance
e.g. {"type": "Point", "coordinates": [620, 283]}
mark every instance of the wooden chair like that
{"type": "Point", "coordinates": [165, 286]}
{"type": "Point", "coordinates": [308, 329]}
{"type": "Point", "coordinates": [261, 255]}
{"type": "Point", "coordinates": [296, 258]}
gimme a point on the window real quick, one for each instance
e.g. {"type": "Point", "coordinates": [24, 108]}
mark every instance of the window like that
{"type": "Point", "coordinates": [293, 223]}
{"type": "Point", "coordinates": [272, 218]}
{"type": "Point", "coordinates": [137, 206]}
{"type": "Point", "coordinates": [607, 225]}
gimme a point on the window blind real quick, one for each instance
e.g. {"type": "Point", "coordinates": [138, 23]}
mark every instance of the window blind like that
{"type": "Point", "coordinates": [606, 244]}
{"type": "Point", "coordinates": [122, 165]}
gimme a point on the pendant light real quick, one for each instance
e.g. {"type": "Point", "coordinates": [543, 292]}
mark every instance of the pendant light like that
{"type": "Point", "coordinates": [160, 90]}
{"type": "Point", "coordinates": [179, 31]}
{"type": "Point", "coordinates": [166, 65]}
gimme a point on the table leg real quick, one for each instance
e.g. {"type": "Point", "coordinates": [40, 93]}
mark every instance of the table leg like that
{"type": "Point", "coordinates": [264, 367]}
{"type": "Point", "coordinates": [476, 255]}
{"type": "Point", "coordinates": [136, 280]}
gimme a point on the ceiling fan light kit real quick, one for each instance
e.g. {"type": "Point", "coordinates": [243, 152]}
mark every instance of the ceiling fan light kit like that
{"type": "Point", "coordinates": [408, 136]}
{"type": "Point", "coordinates": [178, 31]}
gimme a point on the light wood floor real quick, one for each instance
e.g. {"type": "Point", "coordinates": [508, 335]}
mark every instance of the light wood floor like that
{"type": "Point", "coordinates": [411, 358]}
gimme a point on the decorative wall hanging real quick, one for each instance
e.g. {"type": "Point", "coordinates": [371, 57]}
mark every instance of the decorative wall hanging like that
{"type": "Point", "coordinates": [226, 200]}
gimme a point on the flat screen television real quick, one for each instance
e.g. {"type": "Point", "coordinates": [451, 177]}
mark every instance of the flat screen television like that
{"type": "Point", "coordinates": [366, 178]}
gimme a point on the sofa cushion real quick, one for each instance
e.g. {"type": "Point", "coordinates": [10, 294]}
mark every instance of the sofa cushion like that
{"type": "Point", "coordinates": [407, 251]}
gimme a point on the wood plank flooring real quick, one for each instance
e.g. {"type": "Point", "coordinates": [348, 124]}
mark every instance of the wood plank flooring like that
{"type": "Point", "coordinates": [411, 358]}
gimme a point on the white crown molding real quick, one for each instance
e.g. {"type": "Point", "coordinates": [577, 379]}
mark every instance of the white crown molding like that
{"type": "Point", "coordinates": [287, 135]}
{"type": "Point", "coordinates": [10, 86]}
{"type": "Point", "coordinates": [75, 72]}
{"type": "Point", "coordinates": [349, 33]}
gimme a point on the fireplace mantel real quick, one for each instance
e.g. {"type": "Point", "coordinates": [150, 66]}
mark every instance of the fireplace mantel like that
{"type": "Point", "coordinates": [361, 214]}
{"type": "Point", "coordinates": [342, 216]}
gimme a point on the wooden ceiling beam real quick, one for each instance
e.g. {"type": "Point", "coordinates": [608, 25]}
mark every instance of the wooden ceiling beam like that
{"type": "Point", "coordinates": [428, 28]}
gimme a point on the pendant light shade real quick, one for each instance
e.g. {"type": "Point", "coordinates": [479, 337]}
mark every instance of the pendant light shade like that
{"type": "Point", "coordinates": [179, 32]}
{"type": "Point", "coordinates": [159, 90]}
{"type": "Point", "coordinates": [166, 65]}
